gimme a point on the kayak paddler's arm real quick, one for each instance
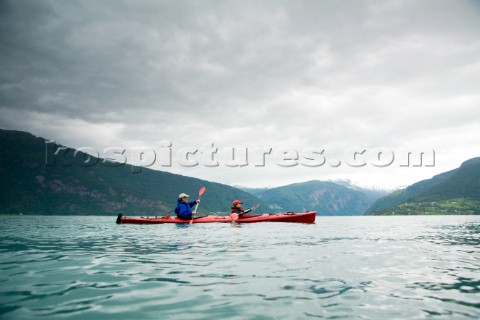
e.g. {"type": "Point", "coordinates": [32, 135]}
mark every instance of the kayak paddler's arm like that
{"type": "Point", "coordinates": [192, 203]}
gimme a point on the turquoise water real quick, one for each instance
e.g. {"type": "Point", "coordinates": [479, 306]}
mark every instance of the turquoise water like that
{"type": "Point", "coordinates": [340, 267]}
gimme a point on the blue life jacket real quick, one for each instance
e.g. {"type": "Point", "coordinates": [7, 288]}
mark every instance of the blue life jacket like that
{"type": "Point", "coordinates": [183, 210]}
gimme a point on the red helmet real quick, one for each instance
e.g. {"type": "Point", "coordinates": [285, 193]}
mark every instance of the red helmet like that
{"type": "Point", "coordinates": [235, 202]}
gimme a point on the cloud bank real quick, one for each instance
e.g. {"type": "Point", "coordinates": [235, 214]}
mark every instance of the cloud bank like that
{"type": "Point", "coordinates": [401, 75]}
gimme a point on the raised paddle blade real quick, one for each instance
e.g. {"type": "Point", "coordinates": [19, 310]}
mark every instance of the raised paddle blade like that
{"type": "Point", "coordinates": [200, 192]}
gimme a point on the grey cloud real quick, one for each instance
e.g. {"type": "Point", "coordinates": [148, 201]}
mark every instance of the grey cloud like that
{"type": "Point", "coordinates": [179, 55]}
{"type": "Point", "coordinates": [302, 73]}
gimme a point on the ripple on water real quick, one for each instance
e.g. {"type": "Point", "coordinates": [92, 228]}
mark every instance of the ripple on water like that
{"type": "Point", "coordinates": [342, 267]}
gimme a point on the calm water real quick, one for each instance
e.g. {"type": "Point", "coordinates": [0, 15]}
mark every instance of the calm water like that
{"type": "Point", "coordinates": [340, 267]}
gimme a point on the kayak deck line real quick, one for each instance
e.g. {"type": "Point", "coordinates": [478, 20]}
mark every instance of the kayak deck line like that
{"type": "Point", "coordinates": [305, 217]}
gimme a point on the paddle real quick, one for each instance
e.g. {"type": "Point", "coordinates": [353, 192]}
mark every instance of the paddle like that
{"type": "Point", "coordinates": [253, 208]}
{"type": "Point", "coordinates": [200, 192]}
{"type": "Point", "coordinates": [234, 216]}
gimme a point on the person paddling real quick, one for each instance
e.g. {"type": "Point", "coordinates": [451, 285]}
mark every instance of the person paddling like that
{"type": "Point", "coordinates": [237, 208]}
{"type": "Point", "coordinates": [184, 207]}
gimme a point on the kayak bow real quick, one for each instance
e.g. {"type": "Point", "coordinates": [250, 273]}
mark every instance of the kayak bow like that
{"type": "Point", "coordinates": [307, 217]}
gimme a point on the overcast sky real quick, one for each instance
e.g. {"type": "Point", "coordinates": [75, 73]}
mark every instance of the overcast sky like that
{"type": "Point", "coordinates": [331, 75]}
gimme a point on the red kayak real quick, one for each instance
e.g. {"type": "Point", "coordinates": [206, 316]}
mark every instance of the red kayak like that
{"type": "Point", "coordinates": [307, 217]}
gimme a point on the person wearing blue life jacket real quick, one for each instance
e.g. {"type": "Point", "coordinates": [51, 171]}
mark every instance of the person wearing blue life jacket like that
{"type": "Point", "coordinates": [184, 207]}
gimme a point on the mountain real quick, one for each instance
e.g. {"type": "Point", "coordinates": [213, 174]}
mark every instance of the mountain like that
{"type": "Point", "coordinates": [464, 183]}
{"type": "Point", "coordinates": [452, 192]}
{"type": "Point", "coordinates": [409, 193]}
{"type": "Point", "coordinates": [31, 184]}
{"type": "Point", "coordinates": [327, 198]}
{"type": "Point", "coordinates": [257, 192]}
{"type": "Point", "coordinates": [371, 194]}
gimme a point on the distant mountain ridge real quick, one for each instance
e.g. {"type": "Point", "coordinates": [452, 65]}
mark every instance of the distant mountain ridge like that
{"type": "Point", "coordinates": [326, 197]}
{"type": "Point", "coordinates": [29, 186]}
{"type": "Point", "coordinates": [453, 192]}
{"type": "Point", "coordinates": [372, 194]}
{"type": "Point", "coordinates": [410, 192]}
{"type": "Point", "coordinates": [464, 183]}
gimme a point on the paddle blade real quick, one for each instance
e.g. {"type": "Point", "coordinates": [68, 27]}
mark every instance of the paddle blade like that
{"type": "Point", "coordinates": [201, 191]}
{"type": "Point", "coordinates": [234, 216]}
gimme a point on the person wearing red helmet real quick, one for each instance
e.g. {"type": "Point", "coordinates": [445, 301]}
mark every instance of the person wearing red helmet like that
{"type": "Point", "coordinates": [237, 208]}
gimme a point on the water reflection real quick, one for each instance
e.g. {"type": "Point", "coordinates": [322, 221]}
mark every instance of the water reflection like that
{"type": "Point", "coordinates": [456, 234]}
{"type": "Point", "coordinates": [464, 285]}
